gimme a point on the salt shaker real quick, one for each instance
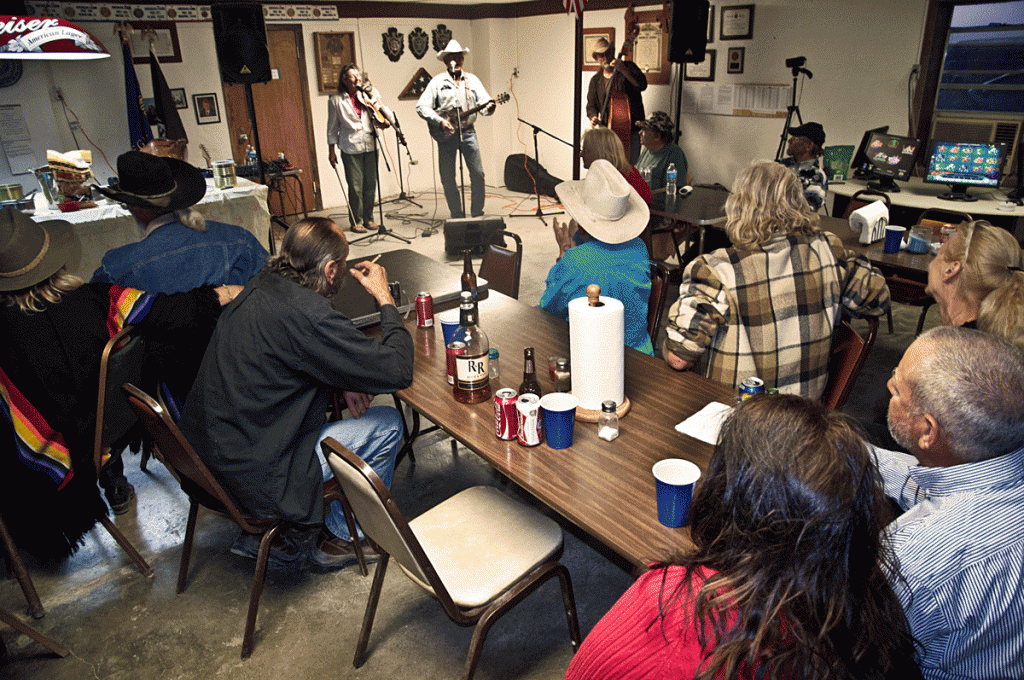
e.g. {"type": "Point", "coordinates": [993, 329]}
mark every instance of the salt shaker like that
{"type": "Point", "coordinates": [608, 421]}
{"type": "Point", "coordinates": [563, 378]}
{"type": "Point", "coordinates": [493, 357]}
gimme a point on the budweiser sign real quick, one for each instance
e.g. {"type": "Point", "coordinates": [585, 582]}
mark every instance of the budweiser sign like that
{"type": "Point", "coordinates": [46, 38]}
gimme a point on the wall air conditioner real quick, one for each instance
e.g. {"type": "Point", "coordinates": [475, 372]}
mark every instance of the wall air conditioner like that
{"type": "Point", "coordinates": [981, 130]}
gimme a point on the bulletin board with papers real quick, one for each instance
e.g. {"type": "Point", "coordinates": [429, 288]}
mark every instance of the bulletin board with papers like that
{"type": "Point", "coordinates": [732, 99]}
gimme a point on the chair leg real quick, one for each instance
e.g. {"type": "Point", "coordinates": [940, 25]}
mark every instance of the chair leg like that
{"type": "Point", "coordinates": [408, 438]}
{"type": "Point", "coordinates": [350, 522]}
{"type": "Point", "coordinates": [920, 320]}
{"type": "Point", "coordinates": [127, 546]}
{"type": "Point", "coordinates": [569, 600]}
{"type": "Point", "coordinates": [888, 318]}
{"type": "Point", "coordinates": [35, 607]}
{"type": "Point", "coordinates": [186, 547]}
{"type": "Point", "coordinates": [257, 589]}
{"type": "Point", "coordinates": [371, 610]}
{"type": "Point", "coordinates": [44, 640]}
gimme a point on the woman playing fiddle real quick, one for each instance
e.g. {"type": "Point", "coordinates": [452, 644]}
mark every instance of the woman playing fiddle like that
{"type": "Point", "coordinates": [350, 113]}
{"type": "Point", "coordinates": [622, 78]}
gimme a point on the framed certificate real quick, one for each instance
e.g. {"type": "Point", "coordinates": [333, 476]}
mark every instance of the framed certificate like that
{"type": "Point", "coordinates": [705, 70]}
{"type": "Point", "coordinates": [734, 62]}
{"type": "Point", "coordinates": [736, 22]}
{"type": "Point", "coordinates": [590, 38]}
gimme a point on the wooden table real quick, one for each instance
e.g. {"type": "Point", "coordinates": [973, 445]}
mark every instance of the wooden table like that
{"type": "Point", "coordinates": [701, 208]}
{"type": "Point", "coordinates": [605, 488]}
{"type": "Point", "coordinates": [913, 266]}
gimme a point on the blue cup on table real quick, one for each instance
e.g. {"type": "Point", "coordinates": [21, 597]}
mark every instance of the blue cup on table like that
{"type": "Point", "coordinates": [894, 238]}
{"type": "Point", "coordinates": [559, 418]}
{"type": "Point", "coordinates": [449, 322]}
{"type": "Point", "coordinates": [674, 480]}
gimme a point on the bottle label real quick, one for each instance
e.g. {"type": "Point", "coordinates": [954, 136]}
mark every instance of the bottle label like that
{"type": "Point", "coordinates": [472, 373]}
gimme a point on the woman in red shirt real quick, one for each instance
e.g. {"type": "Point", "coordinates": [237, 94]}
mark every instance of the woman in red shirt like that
{"type": "Point", "coordinates": [787, 575]}
{"type": "Point", "coordinates": [601, 142]}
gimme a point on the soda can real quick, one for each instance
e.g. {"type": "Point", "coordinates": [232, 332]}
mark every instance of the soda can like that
{"type": "Point", "coordinates": [453, 349]}
{"type": "Point", "coordinates": [506, 415]}
{"type": "Point", "coordinates": [749, 387]}
{"type": "Point", "coordinates": [530, 421]}
{"type": "Point", "coordinates": [424, 310]}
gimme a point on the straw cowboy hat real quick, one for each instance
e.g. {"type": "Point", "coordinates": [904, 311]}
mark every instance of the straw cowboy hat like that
{"type": "Point", "coordinates": [452, 47]}
{"type": "Point", "coordinates": [31, 252]}
{"type": "Point", "coordinates": [605, 204]}
{"type": "Point", "coordinates": [148, 181]}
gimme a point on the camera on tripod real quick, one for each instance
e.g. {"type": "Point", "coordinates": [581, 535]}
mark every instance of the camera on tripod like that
{"type": "Point", "coordinates": [796, 64]}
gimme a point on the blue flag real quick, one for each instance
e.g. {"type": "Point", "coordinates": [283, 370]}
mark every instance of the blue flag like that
{"type": "Point", "coordinates": [139, 132]}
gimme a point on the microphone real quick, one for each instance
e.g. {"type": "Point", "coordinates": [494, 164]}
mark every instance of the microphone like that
{"type": "Point", "coordinates": [451, 65]}
{"type": "Point", "coordinates": [366, 89]}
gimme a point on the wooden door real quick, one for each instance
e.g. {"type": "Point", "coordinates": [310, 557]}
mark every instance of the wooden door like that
{"type": "Point", "coordinates": [283, 118]}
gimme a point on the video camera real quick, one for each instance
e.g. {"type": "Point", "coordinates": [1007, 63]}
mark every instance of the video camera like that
{"type": "Point", "coordinates": [796, 65]}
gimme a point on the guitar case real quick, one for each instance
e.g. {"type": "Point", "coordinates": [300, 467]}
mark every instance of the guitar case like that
{"type": "Point", "coordinates": [518, 179]}
{"type": "Point", "coordinates": [473, 234]}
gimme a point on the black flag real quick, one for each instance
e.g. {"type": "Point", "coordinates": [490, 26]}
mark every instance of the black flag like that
{"type": "Point", "coordinates": [164, 102]}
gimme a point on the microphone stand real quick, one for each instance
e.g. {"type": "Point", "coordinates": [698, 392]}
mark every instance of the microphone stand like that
{"type": "Point", "coordinates": [402, 196]}
{"type": "Point", "coordinates": [458, 119]}
{"type": "Point", "coordinates": [382, 231]}
{"type": "Point", "coordinates": [536, 157]}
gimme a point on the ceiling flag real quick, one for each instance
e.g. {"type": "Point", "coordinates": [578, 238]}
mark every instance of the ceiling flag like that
{"type": "Point", "coordinates": [139, 132]}
{"type": "Point", "coordinates": [574, 6]}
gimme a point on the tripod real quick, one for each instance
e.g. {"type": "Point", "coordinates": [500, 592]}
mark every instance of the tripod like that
{"type": "Point", "coordinates": [790, 110]}
{"type": "Point", "coordinates": [402, 196]}
{"type": "Point", "coordinates": [536, 156]}
{"type": "Point", "coordinates": [382, 231]}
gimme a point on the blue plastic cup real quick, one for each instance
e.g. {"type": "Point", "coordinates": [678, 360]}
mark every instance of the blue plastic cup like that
{"type": "Point", "coordinates": [894, 238]}
{"type": "Point", "coordinates": [674, 479]}
{"type": "Point", "coordinates": [559, 418]}
{"type": "Point", "coordinates": [449, 322]}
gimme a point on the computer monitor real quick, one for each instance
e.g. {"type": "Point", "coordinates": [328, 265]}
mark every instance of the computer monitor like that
{"type": "Point", "coordinates": [860, 159]}
{"type": "Point", "coordinates": [890, 158]}
{"type": "Point", "coordinates": [965, 164]}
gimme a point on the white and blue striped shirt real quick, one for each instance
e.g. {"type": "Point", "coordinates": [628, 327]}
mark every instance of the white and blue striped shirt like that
{"type": "Point", "coordinates": [960, 546]}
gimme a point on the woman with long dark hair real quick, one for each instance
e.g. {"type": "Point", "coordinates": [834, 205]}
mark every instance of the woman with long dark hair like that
{"type": "Point", "coordinates": [787, 577]}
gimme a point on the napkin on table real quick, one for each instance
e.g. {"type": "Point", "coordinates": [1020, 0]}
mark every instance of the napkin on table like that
{"type": "Point", "coordinates": [705, 423]}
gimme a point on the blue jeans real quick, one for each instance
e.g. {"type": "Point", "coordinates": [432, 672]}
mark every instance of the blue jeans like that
{"type": "Point", "coordinates": [375, 437]}
{"type": "Point", "coordinates": [446, 167]}
{"type": "Point", "coordinates": [361, 175]}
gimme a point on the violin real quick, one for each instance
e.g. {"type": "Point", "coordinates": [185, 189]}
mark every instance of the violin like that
{"type": "Point", "coordinates": [380, 118]}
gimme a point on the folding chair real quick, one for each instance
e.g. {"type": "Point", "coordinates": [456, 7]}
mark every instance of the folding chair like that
{"type": "Point", "coordinates": [656, 303]}
{"type": "Point", "coordinates": [501, 267]}
{"type": "Point", "coordinates": [846, 359]}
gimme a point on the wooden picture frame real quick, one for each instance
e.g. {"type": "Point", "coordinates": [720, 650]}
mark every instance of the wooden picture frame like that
{"type": "Point", "coordinates": [591, 36]}
{"type": "Point", "coordinates": [734, 59]}
{"type": "Point", "coordinates": [736, 22]}
{"type": "Point", "coordinates": [705, 70]}
{"type": "Point", "coordinates": [180, 100]}
{"type": "Point", "coordinates": [332, 51]}
{"type": "Point", "coordinates": [165, 42]}
{"type": "Point", "coordinates": [207, 109]}
{"type": "Point", "coordinates": [650, 51]}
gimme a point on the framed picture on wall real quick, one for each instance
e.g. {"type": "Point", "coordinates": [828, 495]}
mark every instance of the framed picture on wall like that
{"type": "Point", "coordinates": [734, 62]}
{"type": "Point", "coordinates": [705, 70]}
{"type": "Point", "coordinates": [206, 108]}
{"type": "Point", "coordinates": [711, 24]}
{"type": "Point", "coordinates": [650, 50]}
{"type": "Point", "coordinates": [590, 38]}
{"type": "Point", "coordinates": [163, 35]}
{"type": "Point", "coordinates": [736, 22]}
{"type": "Point", "coordinates": [332, 51]}
{"type": "Point", "coordinates": [180, 100]}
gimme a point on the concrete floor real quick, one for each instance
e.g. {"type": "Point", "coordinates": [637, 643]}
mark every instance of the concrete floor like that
{"type": "Point", "coordinates": [120, 625]}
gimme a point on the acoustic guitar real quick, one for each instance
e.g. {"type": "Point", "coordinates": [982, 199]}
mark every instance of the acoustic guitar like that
{"type": "Point", "coordinates": [453, 116]}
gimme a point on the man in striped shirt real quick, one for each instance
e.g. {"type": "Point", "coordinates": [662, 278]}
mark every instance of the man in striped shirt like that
{"type": "Point", "coordinates": [956, 406]}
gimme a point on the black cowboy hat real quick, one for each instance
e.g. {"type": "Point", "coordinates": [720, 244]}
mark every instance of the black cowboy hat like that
{"type": "Point", "coordinates": [148, 181]}
{"type": "Point", "coordinates": [32, 252]}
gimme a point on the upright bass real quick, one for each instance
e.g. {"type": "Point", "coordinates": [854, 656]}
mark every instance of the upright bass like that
{"type": "Point", "coordinates": [615, 112]}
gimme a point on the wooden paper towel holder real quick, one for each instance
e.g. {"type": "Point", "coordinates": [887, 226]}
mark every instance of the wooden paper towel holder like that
{"type": "Point", "coordinates": [587, 415]}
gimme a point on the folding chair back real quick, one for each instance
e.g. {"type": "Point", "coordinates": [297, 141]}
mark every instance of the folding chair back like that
{"type": "Point", "coordinates": [501, 267]}
{"type": "Point", "coordinates": [846, 359]}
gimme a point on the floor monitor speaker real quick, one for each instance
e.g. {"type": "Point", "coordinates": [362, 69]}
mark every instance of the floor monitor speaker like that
{"type": "Point", "coordinates": [240, 36]}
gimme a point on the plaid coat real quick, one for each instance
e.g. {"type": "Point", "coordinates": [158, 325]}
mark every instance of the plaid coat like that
{"type": "Point", "coordinates": [769, 311]}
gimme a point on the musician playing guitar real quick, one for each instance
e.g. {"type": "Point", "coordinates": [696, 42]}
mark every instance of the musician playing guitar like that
{"type": "Point", "coordinates": [350, 113]}
{"type": "Point", "coordinates": [613, 97]}
{"type": "Point", "coordinates": [455, 90]}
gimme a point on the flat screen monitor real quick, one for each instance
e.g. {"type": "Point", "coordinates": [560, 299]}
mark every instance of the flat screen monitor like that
{"type": "Point", "coordinates": [965, 164]}
{"type": "Point", "coordinates": [890, 158]}
{"type": "Point", "coordinates": [860, 159]}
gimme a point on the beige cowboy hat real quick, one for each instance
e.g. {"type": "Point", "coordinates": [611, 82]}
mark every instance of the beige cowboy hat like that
{"type": "Point", "coordinates": [148, 181]}
{"type": "Point", "coordinates": [32, 252]}
{"type": "Point", "coordinates": [452, 47]}
{"type": "Point", "coordinates": [605, 204]}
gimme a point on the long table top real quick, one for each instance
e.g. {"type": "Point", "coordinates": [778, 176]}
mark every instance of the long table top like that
{"type": "Point", "coordinates": [605, 488]}
{"type": "Point", "coordinates": [913, 266]}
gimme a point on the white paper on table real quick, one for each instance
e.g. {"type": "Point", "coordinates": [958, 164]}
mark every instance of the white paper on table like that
{"type": "Point", "coordinates": [706, 423]}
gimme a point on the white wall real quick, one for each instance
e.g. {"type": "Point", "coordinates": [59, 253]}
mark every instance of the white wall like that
{"type": "Point", "coordinates": [861, 53]}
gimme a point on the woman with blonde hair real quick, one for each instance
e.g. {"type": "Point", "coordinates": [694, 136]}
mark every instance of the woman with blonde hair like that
{"type": "Point", "coordinates": [602, 142]}
{"type": "Point", "coordinates": [789, 574]}
{"type": "Point", "coordinates": [977, 279]}
{"type": "Point", "coordinates": [766, 306]}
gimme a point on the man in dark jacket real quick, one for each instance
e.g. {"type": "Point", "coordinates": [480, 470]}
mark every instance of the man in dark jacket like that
{"type": "Point", "coordinates": [256, 412]}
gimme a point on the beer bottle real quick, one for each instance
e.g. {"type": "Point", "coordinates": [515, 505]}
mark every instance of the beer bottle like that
{"type": "Point", "coordinates": [468, 277]}
{"type": "Point", "coordinates": [472, 370]}
{"type": "Point", "coordinates": [530, 384]}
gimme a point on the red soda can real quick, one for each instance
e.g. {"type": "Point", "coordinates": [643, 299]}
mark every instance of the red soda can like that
{"type": "Point", "coordinates": [506, 415]}
{"type": "Point", "coordinates": [424, 310]}
{"type": "Point", "coordinates": [454, 349]}
{"type": "Point", "coordinates": [529, 419]}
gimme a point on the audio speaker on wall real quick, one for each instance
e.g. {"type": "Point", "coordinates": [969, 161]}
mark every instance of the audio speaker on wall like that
{"type": "Point", "coordinates": [241, 39]}
{"type": "Point", "coordinates": [689, 37]}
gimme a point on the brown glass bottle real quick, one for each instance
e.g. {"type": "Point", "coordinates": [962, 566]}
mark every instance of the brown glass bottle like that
{"type": "Point", "coordinates": [472, 371]}
{"type": "Point", "coordinates": [530, 384]}
{"type": "Point", "coordinates": [468, 277]}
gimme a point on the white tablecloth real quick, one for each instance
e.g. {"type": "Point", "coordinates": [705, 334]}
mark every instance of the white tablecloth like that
{"type": "Point", "coordinates": [111, 226]}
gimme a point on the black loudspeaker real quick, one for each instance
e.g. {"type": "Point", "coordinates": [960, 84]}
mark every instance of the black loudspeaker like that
{"type": "Point", "coordinates": [689, 37]}
{"type": "Point", "coordinates": [241, 39]}
{"type": "Point", "coordinates": [518, 179]}
{"type": "Point", "coordinates": [472, 233]}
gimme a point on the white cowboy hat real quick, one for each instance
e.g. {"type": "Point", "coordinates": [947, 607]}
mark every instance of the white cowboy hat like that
{"type": "Point", "coordinates": [452, 47]}
{"type": "Point", "coordinates": [605, 204]}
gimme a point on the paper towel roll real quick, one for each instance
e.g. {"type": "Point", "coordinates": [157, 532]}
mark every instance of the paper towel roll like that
{"type": "Point", "coordinates": [597, 350]}
{"type": "Point", "coordinates": [869, 220]}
